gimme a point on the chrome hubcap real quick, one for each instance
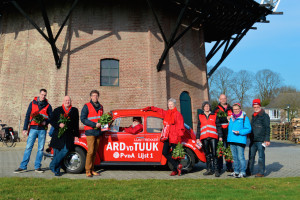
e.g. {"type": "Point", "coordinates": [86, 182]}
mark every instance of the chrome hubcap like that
{"type": "Point", "coordinates": [72, 161]}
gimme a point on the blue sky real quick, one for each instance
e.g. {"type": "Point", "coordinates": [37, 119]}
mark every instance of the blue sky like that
{"type": "Point", "coordinates": [274, 46]}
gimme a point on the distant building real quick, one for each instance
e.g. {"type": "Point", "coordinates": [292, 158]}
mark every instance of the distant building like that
{"type": "Point", "coordinates": [279, 107]}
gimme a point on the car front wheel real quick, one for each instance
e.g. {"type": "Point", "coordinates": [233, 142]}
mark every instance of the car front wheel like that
{"type": "Point", "coordinates": [74, 161]}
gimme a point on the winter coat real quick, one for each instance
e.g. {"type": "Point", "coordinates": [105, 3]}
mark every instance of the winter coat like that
{"type": "Point", "coordinates": [73, 128]}
{"type": "Point", "coordinates": [134, 130]}
{"type": "Point", "coordinates": [260, 127]}
{"type": "Point", "coordinates": [177, 129]}
{"type": "Point", "coordinates": [85, 121]}
{"type": "Point", "coordinates": [242, 125]}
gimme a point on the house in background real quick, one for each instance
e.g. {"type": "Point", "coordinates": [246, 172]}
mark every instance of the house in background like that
{"type": "Point", "coordinates": [284, 107]}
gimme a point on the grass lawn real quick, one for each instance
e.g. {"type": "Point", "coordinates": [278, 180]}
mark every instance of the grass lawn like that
{"type": "Point", "coordinates": [60, 188]}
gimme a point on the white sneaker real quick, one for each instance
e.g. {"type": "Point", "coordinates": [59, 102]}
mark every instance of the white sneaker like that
{"type": "Point", "coordinates": [241, 176]}
{"type": "Point", "coordinates": [234, 175]}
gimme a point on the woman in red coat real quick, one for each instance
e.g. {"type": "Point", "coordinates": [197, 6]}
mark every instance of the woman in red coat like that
{"type": "Point", "coordinates": [174, 127]}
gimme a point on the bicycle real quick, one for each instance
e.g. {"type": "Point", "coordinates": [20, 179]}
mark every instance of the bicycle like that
{"type": "Point", "coordinates": [7, 135]}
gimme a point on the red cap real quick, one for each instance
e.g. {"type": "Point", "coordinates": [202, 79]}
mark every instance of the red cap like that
{"type": "Point", "coordinates": [256, 102]}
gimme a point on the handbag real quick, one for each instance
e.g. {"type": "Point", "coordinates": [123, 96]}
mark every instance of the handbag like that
{"type": "Point", "coordinates": [165, 133]}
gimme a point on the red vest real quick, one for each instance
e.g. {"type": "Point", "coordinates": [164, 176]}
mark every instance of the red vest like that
{"type": "Point", "coordinates": [208, 126]}
{"type": "Point", "coordinates": [35, 108]}
{"type": "Point", "coordinates": [229, 113]}
{"type": "Point", "coordinates": [93, 115]}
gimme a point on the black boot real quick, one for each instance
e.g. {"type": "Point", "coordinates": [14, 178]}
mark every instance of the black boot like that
{"type": "Point", "coordinates": [208, 166]}
{"type": "Point", "coordinates": [217, 172]}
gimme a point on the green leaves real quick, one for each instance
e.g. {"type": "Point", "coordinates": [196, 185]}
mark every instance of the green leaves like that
{"type": "Point", "coordinates": [222, 114]}
{"type": "Point", "coordinates": [178, 152]}
{"type": "Point", "coordinates": [105, 119]}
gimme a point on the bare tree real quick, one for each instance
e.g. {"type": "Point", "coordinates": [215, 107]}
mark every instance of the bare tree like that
{"type": "Point", "coordinates": [220, 83]}
{"type": "Point", "coordinates": [267, 84]}
{"type": "Point", "coordinates": [241, 86]}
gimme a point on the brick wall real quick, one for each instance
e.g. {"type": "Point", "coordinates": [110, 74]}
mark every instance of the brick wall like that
{"type": "Point", "coordinates": [94, 32]}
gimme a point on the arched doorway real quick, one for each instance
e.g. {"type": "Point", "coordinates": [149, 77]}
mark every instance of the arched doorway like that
{"type": "Point", "coordinates": [186, 108]}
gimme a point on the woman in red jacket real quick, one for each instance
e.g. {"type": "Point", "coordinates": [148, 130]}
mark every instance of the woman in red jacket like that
{"type": "Point", "coordinates": [174, 129]}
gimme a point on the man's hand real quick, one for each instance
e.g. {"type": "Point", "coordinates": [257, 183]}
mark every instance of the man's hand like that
{"type": "Point", "coordinates": [61, 125]}
{"type": "Point", "coordinates": [25, 133]}
{"type": "Point", "coordinates": [98, 125]}
{"type": "Point", "coordinates": [198, 141]}
{"type": "Point", "coordinates": [267, 143]}
{"type": "Point", "coordinates": [220, 139]}
{"type": "Point", "coordinates": [43, 123]}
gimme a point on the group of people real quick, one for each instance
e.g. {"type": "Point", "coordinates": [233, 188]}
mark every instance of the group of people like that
{"type": "Point", "coordinates": [231, 126]}
{"type": "Point", "coordinates": [62, 143]}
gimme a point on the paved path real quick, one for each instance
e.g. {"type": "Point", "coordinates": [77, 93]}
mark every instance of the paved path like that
{"type": "Point", "coordinates": [282, 160]}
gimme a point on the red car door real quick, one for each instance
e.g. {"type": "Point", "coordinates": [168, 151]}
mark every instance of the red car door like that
{"type": "Point", "coordinates": [119, 146]}
{"type": "Point", "coordinates": [153, 146]}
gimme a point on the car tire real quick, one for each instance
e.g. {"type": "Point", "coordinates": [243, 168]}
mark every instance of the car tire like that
{"type": "Point", "coordinates": [74, 161]}
{"type": "Point", "coordinates": [188, 163]}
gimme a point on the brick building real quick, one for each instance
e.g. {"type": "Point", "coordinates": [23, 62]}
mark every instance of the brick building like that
{"type": "Point", "coordinates": [120, 39]}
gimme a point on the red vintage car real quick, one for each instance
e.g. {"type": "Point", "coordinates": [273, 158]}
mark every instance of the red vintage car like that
{"type": "Point", "coordinates": [144, 148]}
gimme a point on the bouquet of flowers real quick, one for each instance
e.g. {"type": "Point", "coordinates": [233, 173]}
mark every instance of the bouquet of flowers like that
{"type": "Point", "coordinates": [105, 119]}
{"type": "Point", "coordinates": [226, 152]}
{"type": "Point", "coordinates": [228, 155]}
{"type": "Point", "coordinates": [65, 119]}
{"type": "Point", "coordinates": [221, 114]}
{"type": "Point", "coordinates": [178, 153]}
{"type": "Point", "coordinates": [220, 149]}
{"type": "Point", "coordinates": [37, 117]}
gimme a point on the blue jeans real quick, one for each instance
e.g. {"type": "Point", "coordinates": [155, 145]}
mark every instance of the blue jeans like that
{"type": "Point", "coordinates": [239, 162]}
{"type": "Point", "coordinates": [58, 156]}
{"type": "Point", "coordinates": [253, 148]}
{"type": "Point", "coordinates": [33, 134]}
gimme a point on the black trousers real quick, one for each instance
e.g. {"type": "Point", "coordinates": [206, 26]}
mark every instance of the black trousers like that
{"type": "Point", "coordinates": [168, 154]}
{"type": "Point", "coordinates": [210, 146]}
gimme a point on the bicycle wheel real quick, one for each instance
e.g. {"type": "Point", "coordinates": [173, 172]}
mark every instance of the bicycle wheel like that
{"type": "Point", "coordinates": [8, 140]}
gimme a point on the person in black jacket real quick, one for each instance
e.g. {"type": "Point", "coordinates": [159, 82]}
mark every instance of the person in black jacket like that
{"type": "Point", "coordinates": [259, 139]}
{"type": "Point", "coordinates": [208, 131]}
{"type": "Point", "coordinates": [225, 109]}
{"type": "Point", "coordinates": [62, 144]}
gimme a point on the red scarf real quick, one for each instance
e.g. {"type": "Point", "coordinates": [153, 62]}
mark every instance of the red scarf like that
{"type": "Point", "coordinates": [170, 117]}
{"type": "Point", "coordinates": [256, 113]}
{"type": "Point", "coordinates": [67, 111]}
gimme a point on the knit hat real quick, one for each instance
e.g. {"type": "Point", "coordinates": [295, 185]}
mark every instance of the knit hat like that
{"type": "Point", "coordinates": [237, 104]}
{"type": "Point", "coordinates": [256, 102]}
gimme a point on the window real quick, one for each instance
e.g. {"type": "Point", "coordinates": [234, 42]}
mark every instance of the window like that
{"type": "Point", "coordinates": [109, 72]}
{"type": "Point", "coordinates": [275, 114]}
{"type": "Point", "coordinates": [154, 125]}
